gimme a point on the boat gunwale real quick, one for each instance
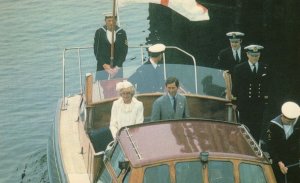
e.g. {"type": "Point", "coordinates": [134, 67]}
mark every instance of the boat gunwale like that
{"type": "Point", "coordinates": [157, 94]}
{"type": "Point", "coordinates": [57, 146]}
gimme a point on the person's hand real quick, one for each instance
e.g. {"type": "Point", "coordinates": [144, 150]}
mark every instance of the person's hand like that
{"type": "Point", "coordinates": [106, 66]}
{"type": "Point", "coordinates": [108, 69]}
{"type": "Point", "coordinates": [114, 71]}
{"type": "Point", "coordinates": [282, 167]}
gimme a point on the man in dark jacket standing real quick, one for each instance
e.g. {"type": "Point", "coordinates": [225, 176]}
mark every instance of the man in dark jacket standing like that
{"type": "Point", "coordinates": [250, 90]}
{"type": "Point", "coordinates": [233, 55]}
{"type": "Point", "coordinates": [149, 77]}
{"type": "Point", "coordinates": [284, 143]}
{"type": "Point", "coordinates": [106, 61]}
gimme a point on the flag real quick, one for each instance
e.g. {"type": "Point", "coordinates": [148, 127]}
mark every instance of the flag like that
{"type": "Point", "coordinates": [187, 8]}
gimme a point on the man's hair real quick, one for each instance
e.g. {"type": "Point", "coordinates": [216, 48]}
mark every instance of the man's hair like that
{"type": "Point", "coordinates": [171, 80]}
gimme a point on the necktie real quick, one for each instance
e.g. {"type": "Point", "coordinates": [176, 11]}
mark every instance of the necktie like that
{"type": "Point", "coordinates": [254, 68]}
{"type": "Point", "coordinates": [174, 103]}
{"type": "Point", "coordinates": [237, 58]}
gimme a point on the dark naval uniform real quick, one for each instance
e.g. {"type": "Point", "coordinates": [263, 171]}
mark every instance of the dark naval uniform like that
{"type": "Point", "coordinates": [227, 58]}
{"type": "Point", "coordinates": [102, 49]}
{"type": "Point", "coordinates": [227, 61]}
{"type": "Point", "coordinates": [251, 93]}
{"type": "Point", "coordinates": [285, 149]}
{"type": "Point", "coordinates": [148, 79]}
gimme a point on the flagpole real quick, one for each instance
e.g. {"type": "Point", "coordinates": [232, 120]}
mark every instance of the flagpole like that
{"type": "Point", "coordinates": [113, 35]}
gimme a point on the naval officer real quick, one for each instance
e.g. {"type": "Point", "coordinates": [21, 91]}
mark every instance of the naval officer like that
{"type": "Point", "coordinates": [149, 77]}
{"type": "Point", "coordinates": [233, 55]}
{"type": "Point", "coordinates": [250, 90]}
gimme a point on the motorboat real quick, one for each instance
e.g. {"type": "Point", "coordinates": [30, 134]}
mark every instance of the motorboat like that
{"type": "Point", "coordinates": [208, 147]}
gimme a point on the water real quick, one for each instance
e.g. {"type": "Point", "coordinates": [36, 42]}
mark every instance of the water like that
{"type": "Point", "coordinates": [33, 34]}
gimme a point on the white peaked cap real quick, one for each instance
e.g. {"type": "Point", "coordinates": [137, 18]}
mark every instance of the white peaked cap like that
{"type": "Point", "coordinates": [108, 14]}
{"type": "Point", "coordinates": [235, 35]}
{"type": "Point", "coordinates": [253, 49]}
{"type": "Point", "coordinates": [123, 84]}
{"type": "Point", "coordinates": [290, 110]}
{"type": "Point", "coordinates": [157, 48]}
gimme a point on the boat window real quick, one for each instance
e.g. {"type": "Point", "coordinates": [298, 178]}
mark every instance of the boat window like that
{"type": "Point", "coordinates": [126, 178]}
{"type": "Point", "coordinates": [117, 156]}
{"type": "Point", "coordinates": [157, 174]}
{"type": "Point", "coordinates": [189, 172]}
{"type": "Point", "coordinates": [105, 177]}
{"type": "Point", "coordinates": [248, 170]}
{"type": "Point", "coordinates": [220, 171]}
{"type": "Point", "coordinates": [209, 81]}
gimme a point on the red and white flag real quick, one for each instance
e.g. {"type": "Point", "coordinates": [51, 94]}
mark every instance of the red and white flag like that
{"type": "Point", "coordinates": [187, 8]}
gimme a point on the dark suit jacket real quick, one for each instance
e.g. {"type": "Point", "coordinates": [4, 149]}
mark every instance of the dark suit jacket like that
{"type": "Point", "coordinates": [226, 59]}
{"type": "Point", "coordinates": [148, 79]}
{"type": "Point", "coordinates": [162, 108]}
{"type": "Point", "coordinates": [102, 48]}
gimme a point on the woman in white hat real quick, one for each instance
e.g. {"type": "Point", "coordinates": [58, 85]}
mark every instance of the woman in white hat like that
{"type": "Point", "coordinates": [126, 110]}
{"type": "Point", "coordinates": [284, 143]}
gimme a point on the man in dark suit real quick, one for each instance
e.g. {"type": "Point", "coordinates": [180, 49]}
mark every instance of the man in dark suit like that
{"type": "Point", "coordinates": [149, 77]}
{"type": "Point", "coordinates": [284, 143]}
{"type": "Point", "coordinates": [250, 90]}
{"type": "Point", "coordinates": [172, 105]}
{"type": "Point", "coordinates": [233, 55]}
{"type": "Point", "coordinates": [102, 49]}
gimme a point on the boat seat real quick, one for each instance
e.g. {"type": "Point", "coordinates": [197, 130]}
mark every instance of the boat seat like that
{"type": "Point", "coordinates": [100, 138]}
{"type": "Point", "coordinates": [147, 119]}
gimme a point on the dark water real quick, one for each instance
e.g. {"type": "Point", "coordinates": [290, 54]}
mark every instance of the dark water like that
{"type": "Point", "coordinates": [33, 34]}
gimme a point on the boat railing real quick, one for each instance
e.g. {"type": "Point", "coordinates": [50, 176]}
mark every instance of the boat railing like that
{"type": "Point", "coordinates": [142, 49]}
{"type": "Point", "coordinates": [254, 146]}
{"type": "Point", "coordinates": [78, 49]}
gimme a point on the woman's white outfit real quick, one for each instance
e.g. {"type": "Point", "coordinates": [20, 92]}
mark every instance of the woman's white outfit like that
{"type": "Point", "coordinates": [125, 114]}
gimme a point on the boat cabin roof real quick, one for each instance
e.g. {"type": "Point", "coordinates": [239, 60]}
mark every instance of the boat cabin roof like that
{"type": "Point", "coordinates": [164, 141]}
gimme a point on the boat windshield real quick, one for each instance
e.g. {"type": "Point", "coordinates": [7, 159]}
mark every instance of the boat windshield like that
{"type": "Point", "coordinates": [218, 171]}
{"type": "Point", "coordinates": [248, 170]}
{"type": "Point", "coordinates": [192, 79]}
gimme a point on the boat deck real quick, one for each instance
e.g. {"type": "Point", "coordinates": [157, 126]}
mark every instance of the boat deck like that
{"type": "Point", "coordinates": [73, 162]}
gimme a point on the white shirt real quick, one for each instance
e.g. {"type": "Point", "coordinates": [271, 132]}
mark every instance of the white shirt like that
{"type": "Point", "coordinates": [125, 114]}
{"type": "Point", "coordinates": [109, 35]}
{"type": "Point", "coordinates": [172, 99]}
{"type": "Point", "coordinates": [252, 67]}
{"type": "Point", "coordinates": [238, 51]}
{"type": "Point", "coordinates": [288, 130]}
